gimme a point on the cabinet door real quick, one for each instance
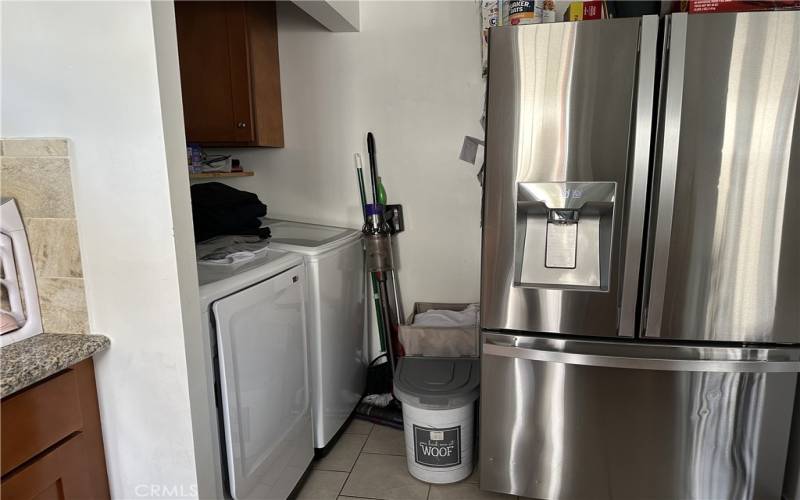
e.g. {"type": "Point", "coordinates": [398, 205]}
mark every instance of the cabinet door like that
{"type": "Point", "coordinates": [33, 420]}
{"type": "Point", "coordinates": [215, 72]}
{"type": "Point", "coordinates": [262, 28]}
{"type": "Point", "coordinates": [59, 474]}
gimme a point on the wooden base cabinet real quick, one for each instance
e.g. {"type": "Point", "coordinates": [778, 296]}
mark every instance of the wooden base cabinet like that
{"type": "Point", "coordinates": [52, 444]}
{"type": "Point", "coordinates": [57, 474]}
{"type": "Point", "coordinates": [230, 76]}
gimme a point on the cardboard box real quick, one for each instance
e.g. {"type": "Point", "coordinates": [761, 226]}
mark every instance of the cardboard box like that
{"type": "Point", "coordinates": [707, 6]}
{"type": "Point", "coordinates": [593, 10]}
{"type": "Point", "coordinates": [450, 342]}
{"type": "Point", "coordinates": [584, 11]}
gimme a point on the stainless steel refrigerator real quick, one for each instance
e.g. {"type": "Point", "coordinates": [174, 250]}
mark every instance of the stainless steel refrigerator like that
{"type": "Point", "coordinates": [641, 257]}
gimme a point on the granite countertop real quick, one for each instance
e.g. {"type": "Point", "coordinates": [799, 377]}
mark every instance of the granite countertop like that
{"type": "Point", "coordinates": [28, 361]}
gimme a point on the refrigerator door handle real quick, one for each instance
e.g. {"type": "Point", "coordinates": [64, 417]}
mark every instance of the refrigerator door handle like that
{"type": "Point", "coordinates": [640, 159]}
{"type": "Point", "coordinates": [665, 172]}
{"type": "Point", "coordinates": [643, 361]}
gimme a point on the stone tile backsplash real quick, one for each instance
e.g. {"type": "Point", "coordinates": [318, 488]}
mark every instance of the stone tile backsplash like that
{"type": "Point", "coordinates": [35, 147]}
{"type": "Point", "coordinates": [63, 304]}
{"type": "Point", "coordinates": [54, 247]}
{"type": "Point", "coordinates": [41, 185]}
{"type": "Point", "coordinates": [36, 172]}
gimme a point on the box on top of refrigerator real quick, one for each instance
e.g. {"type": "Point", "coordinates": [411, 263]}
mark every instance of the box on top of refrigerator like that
{"type": "Point", "coordinates": [708, 6]}
{"type": "Point", "coordinates": [584, 11]}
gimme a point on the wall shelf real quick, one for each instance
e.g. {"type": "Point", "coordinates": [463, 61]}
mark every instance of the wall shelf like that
{"type": "Point", "coordinates": [212, 175]}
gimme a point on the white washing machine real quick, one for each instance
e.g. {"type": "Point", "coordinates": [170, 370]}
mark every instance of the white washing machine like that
{"type": "Point", "coordinates": [334, 261]}
{"type": "Point", "coordinates": [254, 318]}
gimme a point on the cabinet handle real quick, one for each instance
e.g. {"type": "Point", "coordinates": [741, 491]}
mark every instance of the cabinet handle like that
{"type": "Point", "coordinates": [241, 125]}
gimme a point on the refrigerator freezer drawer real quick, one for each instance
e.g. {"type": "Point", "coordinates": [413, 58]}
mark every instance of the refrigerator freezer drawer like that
{"type": "Point", "coordinates": [556, 426]}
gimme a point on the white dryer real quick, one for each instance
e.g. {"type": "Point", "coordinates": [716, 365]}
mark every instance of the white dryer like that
{"type": "Point", "coordinates": [334, 261]}
{"type": "Point", "coordinates": [254, 318]}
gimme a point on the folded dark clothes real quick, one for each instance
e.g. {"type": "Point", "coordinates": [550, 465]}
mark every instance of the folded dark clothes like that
{"type": "Point", "coordinates": [218, 209]}
{"type": "Point", "coordinates": [215, 194]}
{"type": "Point", "coordinates": [236, 215]}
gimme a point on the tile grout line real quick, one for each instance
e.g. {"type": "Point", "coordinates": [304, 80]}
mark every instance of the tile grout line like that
{"type": "Point", "coordinates": [381, 454]}
{"type": "Point", "coordinates": [354, 463]}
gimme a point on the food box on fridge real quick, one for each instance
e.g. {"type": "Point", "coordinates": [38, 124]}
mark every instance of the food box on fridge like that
{"type": "Point", "coordinates": [522, 12]}
{"type": "Point", "coordinates": [706, 6]}
{"type": "Point", "coordinates": [515, 12]}
{"type": "Point", "coordinates": [584, 11]}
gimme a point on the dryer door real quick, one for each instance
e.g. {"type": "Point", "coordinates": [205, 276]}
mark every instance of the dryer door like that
{"type": "Point", "coordinates": [264, 387]}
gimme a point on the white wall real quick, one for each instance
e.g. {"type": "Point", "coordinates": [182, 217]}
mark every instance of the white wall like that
{"type": "Point", "coordinates": [412, 76]}
{"type": "Point", "coordinates": [198, 348]}
{"type": "Point", "coordinates": [88, 71]}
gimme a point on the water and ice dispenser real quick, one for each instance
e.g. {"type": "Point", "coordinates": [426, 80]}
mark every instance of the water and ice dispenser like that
{"type": "Point", "coordinates": [564, 234]}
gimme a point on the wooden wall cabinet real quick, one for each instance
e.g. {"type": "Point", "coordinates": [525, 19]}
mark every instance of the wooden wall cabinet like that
{"type": "Point", "coordinates": [52, 444]}
{"type": "Point", "coordinates": [230, 76]}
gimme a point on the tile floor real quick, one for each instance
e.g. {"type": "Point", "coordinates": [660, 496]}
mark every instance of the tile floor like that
{"type": "Point", "coordinates": [369, 462]}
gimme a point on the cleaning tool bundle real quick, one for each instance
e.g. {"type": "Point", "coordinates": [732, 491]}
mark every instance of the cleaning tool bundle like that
{"type": "Point", "coordinates": [378, 404]}
{"type": "Point", "coordinates": [378, 243]}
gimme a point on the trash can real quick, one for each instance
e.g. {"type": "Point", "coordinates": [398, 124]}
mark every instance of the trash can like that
{"type": "Point", "coordinates": [438, 396]}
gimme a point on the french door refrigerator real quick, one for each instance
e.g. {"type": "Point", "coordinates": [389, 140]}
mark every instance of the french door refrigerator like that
{"type": "Point", "coordinates": [641, 257]}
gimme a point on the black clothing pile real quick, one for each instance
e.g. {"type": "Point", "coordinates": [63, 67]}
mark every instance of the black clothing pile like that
{"type": "Point", "coordinates": [218, 209]}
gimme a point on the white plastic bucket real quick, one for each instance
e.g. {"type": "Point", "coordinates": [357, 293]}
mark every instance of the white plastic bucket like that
{"type": "Point", "coordinates": [439, 443]}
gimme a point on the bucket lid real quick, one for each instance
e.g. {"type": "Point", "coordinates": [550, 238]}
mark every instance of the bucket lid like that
{"type": "Point", "coordinates": [437, 383]}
